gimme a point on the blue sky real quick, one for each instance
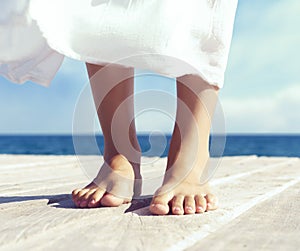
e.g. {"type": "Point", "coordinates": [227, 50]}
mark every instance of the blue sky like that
{"type": "Point", "coordinates": [261, 92]}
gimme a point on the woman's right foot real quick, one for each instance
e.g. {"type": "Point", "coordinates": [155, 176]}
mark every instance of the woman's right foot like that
{"type": "Point", "coordinates": [112, 187]}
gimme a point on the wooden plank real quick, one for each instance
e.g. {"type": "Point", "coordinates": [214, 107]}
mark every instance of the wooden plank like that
{"type": "Point", "coordinates": [272, 225]}
{"type": "Point", "coordinates": [50, 171]}
{"type": "Point", "coordinates": [44, 217]}
{"type": "Point", "coordinates": [40, 215]}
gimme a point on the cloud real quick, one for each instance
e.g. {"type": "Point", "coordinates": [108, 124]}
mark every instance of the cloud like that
{"type": "Point", "coordinates": [265, 48]}
{"type": "Point", "coordinates": [262, 89]}
{"type": "Point", "coordinates": [265, 114]}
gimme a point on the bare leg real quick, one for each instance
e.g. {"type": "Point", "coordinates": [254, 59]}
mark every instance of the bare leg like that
{"type": "Point", "coordinates": [114, 183]}
{"type": "Point", "coordinates": [182, 191]}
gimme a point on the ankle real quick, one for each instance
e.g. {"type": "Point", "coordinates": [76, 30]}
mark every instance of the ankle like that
{"type": "Point", "coordinates": [130, 151]}
{"type": "Point", "coordinates": [133, 159]}
{"type": "Point", "coordinates": [187, 167]}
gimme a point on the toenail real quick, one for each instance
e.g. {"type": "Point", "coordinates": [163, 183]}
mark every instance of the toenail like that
{"type": "Point", "coordinates": [208, 205]}
{"type": "Point", "coordinates": [93, 202]}
{"type": "Point", "coordinates": [201, 209]}
{"type": "Point", "coordinates": [176, 209]}
{"type": "Point", "coordinates": [155, 205]}
{"type": "Point", "coordinates": [189, 208]}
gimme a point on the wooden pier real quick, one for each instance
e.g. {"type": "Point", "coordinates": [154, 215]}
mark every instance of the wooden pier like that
{"type": "Point", "coordinates": [259, 209]}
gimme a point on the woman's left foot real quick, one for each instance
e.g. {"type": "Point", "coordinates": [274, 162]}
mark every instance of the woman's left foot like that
{"type": "Point", "coordinates": [182, 191]}
{"type": "Point", "coordinates": [187, 196]}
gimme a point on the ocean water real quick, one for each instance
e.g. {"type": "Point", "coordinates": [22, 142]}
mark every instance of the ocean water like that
{"type": "Point", "coordinates": [261, 145]}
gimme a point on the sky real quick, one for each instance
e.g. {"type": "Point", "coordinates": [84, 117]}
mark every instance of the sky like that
{"type": "Point", "coordinates": [261, 93]}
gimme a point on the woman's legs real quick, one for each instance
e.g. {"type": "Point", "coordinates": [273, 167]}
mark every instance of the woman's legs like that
{"type": "Point", "coordinates": [182, 192]}
{"type": "Point", "coordinates": [114, 183]}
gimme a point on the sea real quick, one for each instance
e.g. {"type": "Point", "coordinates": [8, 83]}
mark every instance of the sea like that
{"type": "Point", "coordinates": [236, 145]}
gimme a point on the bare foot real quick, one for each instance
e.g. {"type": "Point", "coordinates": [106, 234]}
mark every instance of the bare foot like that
{"type": "Point", "coordinates": [187, 196]}
{"type": "Point", "coordinates": [182, 191]}
{"type": "Point", "coordinates": [113, 185]}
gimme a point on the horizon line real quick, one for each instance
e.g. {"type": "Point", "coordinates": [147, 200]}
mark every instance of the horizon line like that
{"type": "Point", "coordinates": [149, 133]}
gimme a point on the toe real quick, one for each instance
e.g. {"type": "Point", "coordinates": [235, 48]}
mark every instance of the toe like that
{"type": "Point", "coordinates": [159, 209]}
{"type": "Point", "coordinates": [177, 205]}
{"type": "Point", "coordinates": [94, 199]}
{"type": "Point", "coordinates": [82, 192]}
{"type": "Point", "coordinates": [200, 203]}
{"type": "Point", "coordinates": [212, 202]}
{"type": "Point", "coordinates": [75, 196]}
{"type": "Point", "coordinates": [189, 205]}
{"type": "Point", "coordinates": [109, 200]}
{"type": "Point", "coordinates": [159, 204]}
{"type": "Point", "coordinates": [84, 200]}
{"type": "Point", "coordinates": [75, 192]}
{"type": "Point", "coordinates": [79, 197]}
{"type": "Point", "coordinates": [83, 203]}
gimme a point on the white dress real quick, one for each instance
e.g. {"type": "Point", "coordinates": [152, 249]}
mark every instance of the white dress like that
{"type": "Point", "coordinates": [35, 35]}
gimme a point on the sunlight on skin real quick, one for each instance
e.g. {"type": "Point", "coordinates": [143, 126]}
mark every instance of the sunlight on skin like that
{"type": "Point", "coordinates": [181, 192]}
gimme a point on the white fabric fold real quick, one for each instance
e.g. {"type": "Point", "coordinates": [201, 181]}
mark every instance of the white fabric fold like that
{"type": "Point", "coordinates": [35, 35]}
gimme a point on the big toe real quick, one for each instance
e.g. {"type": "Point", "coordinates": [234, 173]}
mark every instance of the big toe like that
{"type": "Point", "coordinates": [212, 202]}
{"type": "Point", "coordinates": [159, 205]}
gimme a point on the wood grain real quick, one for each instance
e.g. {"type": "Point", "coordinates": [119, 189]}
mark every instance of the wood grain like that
{"type": "Point", "coordinates": [256, 194]}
